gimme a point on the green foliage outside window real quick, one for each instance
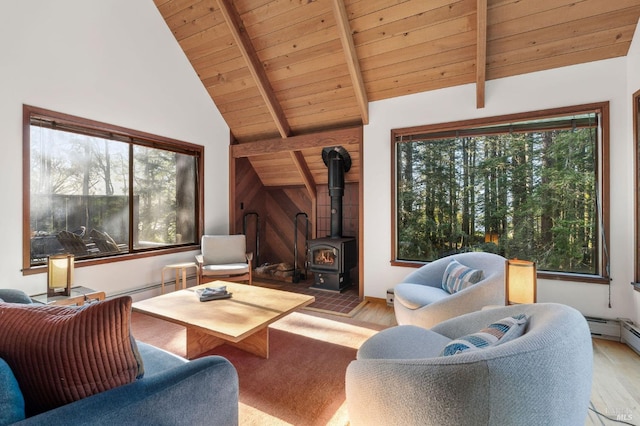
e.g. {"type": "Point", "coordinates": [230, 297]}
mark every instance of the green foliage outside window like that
{"type": "Point", "coordinates": [525, 190]}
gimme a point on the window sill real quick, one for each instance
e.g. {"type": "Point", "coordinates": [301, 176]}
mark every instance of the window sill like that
{"type": "Point", "coordinates": [546, 275]}
{"type": "Point", "coordinates": [39, 269]}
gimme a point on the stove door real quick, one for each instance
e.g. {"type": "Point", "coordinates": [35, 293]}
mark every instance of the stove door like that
{"type": "Point", "coordinates": [324, 258]}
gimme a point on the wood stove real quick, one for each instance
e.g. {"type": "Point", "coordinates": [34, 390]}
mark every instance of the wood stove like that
{"type": "Point", "coordinates": [332, 258]}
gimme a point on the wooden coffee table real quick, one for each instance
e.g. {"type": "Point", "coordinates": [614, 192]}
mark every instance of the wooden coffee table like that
{"type": "Point", "coordinates": [242, 321]}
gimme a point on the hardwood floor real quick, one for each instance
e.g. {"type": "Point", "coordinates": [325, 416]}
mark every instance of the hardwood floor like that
{"type": "Point", "coordinates": [616, 384]}
{"type": "Point", "coordinates": [616, 374]}
{"type": "Point", "coordinates": [377, 312]}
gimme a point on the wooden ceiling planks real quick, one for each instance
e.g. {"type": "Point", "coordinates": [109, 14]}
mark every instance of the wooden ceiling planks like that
{"type": "Point", "coordinates": [324, 60]}
{"type": "Point", "coordinates": [247, 50]}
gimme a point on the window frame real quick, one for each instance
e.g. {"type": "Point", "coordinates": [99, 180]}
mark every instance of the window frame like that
{"type": "Point", "coordinates": [133, 137]}
{"type": "Point", "coordinates": [602, 175]}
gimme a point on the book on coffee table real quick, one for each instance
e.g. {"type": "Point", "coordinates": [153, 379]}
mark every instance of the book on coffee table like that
{"type": "Point", "coordinates": [213, 293]}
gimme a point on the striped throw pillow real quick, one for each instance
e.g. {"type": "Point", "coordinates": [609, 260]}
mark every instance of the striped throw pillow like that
{"type": "Point", "coordinates": [499, 332]}
{"type": "Point", "coordinates": [458, 277]}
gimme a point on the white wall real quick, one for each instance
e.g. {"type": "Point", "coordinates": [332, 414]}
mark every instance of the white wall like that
{"type": "Point", "coordinates": [592, 82]}
{"type": "Point", "coordinates": [113, 61]}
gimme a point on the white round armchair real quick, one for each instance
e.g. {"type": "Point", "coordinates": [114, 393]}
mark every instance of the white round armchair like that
{"type": "Point", "coordinates": [421, 300]}
{"type": "Point", "coordinates": [542, 377]}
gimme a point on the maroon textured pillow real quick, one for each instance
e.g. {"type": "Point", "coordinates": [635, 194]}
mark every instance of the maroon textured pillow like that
{"type": "Point", "coordinates": [60, 354]}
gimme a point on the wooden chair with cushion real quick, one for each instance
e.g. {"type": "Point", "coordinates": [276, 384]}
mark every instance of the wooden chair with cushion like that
{"type": "Point", "coordinates": [225, 257]}
{"type": "Point", "coordinates": [103, 241]}
{"type": "Point", "coordinates": [72, 243]}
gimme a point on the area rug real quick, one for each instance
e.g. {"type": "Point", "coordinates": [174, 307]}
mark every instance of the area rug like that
{"type": "Point", "coordinates": [302, 382]}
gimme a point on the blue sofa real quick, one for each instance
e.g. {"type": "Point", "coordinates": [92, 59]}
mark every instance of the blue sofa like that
{"type": "Point", "coordinates": [173, 391]}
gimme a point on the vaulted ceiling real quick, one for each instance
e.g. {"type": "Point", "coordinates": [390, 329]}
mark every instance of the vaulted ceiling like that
{"type": "Point", "coordinates": [278, 68]}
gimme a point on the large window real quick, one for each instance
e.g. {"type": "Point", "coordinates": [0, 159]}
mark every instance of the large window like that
{"type": "Point", "coordinates": [526, 186]}
{"type": "Point", "coordinates": [100, 191]}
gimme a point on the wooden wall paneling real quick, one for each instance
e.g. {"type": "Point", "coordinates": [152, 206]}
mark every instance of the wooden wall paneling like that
{"type": "Point", "coordinates": [248, 197]}
{"type": "Point", "coordinates": [282, 205]}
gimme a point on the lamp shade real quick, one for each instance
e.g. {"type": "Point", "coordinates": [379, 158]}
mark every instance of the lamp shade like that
{"type": "Point", "coordinates": [520, 282]}
{"type": "Point", "coordinates": [60, 274]}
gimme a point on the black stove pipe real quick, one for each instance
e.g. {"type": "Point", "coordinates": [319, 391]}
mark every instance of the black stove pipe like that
{"type": "Point", "coordinates": [338, 162]}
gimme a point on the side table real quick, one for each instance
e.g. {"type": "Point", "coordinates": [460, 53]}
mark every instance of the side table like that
{"type": "Point", "coordinates": [78, 297]}
{"type": "Point", "coordinates": [181, 274]}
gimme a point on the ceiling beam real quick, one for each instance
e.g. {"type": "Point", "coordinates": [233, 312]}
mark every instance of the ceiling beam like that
{"type": "Point", "coordinates": [346, 136]}
{"type": "Point", "coordinates": [344, 30]}
{"type": "Point", "coordinates": [481, 52]}
{"type": "Point", "coordinates": [250, 56]}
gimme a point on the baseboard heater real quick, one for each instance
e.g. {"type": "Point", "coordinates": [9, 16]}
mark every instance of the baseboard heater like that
{"type": "Point", "coordinates": [630, 334]}
{"type": "Point", "coordinates": [601, 328]}
{"type": "Point", "coordinates": [138, 290]}
{"type": "Point", "coordinates": [133, 291]}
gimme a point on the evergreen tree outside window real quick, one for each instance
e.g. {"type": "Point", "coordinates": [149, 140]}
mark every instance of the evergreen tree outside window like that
{"type": "Point", "coordinates": [525, 186]}
{"type": "Point", "coordinates": [99, 191]}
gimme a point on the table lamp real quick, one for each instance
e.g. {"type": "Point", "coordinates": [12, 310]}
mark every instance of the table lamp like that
{"type": "Point", "coordinates": [60, 275]}
{"type": "Point", "coordinates": [520, 282]}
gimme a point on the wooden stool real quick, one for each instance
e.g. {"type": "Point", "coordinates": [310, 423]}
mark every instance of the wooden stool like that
{"type": "Point", "coordinates": [181, 274]}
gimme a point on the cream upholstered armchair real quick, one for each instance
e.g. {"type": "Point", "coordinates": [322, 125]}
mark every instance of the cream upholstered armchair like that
{"type": "Point", "coordinates": [225, 257]}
